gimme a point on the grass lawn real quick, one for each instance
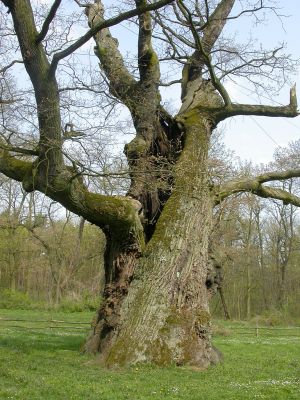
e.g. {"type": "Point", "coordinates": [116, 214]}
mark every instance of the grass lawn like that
{"type": "Point", "coordinates": [46, 364]}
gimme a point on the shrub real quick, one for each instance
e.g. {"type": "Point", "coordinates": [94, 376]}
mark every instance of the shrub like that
{"type": "Point", "coordinates": [274, 318]}
{"type": "Point", "coordinates": [14, 299]}
{"type": "Point", "coordinates": [86, 302]}
{"type": "Point", "coordinates": [219, 330]}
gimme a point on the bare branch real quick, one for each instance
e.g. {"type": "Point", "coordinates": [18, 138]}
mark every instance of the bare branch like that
{"type": "Point", "coordinates": [4, 69]}
{"type": "Point", "coordinates": [205, 56]}
{"type": "Point", "coordinates": [254, 185]}
{"type": "Point", "coordinates": [215, 24]}
{"type": "Point", "coordinates": [289, 111]}
{"type": "Point", "coordinates": [112, 63]}
{"type": "Point", "coordinates": [81, 4]}
{"type": "Point", "coordinates": [278, 175]}
{"type": "Point", "coordinates": [45, 87]}
{"type": "Point", "coordinates": [253, 11]}
{"type": "Point", "coordinates": [9, 101]}
{"type": "Point", "coordinates": [176, 81]}
{"type": "Point", "coordinates": [41, 36]}
{"type": "Point", "coordinates": [105, 24]}
{"type": "Point", "coordinates": [170, 33]}
{"type": "Point", "coordinates": [147, 59]}
{"type": "Point", "coordinates": [279, 194]}
{"type": "Point", "coordinates": [20, 150]}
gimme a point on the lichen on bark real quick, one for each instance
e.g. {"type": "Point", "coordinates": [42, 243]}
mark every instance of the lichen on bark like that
{"type": "Point", "coordinates": [165, 313]}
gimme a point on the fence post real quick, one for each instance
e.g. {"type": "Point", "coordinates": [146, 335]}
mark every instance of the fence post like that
{"type": "Point", "coordinates": [257, 329]}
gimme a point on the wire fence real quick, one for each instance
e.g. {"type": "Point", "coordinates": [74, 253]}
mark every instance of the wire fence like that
{"type": "Point", "coordinates": [44, 324]}
{"type": "Point", "coordinates": [262, 331]}
{"type": "Point", "coordinates": [85, 326]}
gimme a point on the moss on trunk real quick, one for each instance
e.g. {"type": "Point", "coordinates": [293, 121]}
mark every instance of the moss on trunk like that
{"type": "Point", "coordinates": [165, 317]}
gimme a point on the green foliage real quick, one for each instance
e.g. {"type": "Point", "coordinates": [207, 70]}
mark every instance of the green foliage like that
{"type": "Point", "coordinates": [257, 245]}
{"type": "Point", "coordinates": [86, 303]}
{"type": "Point", "coordinates": [220, 330]}
{"type": "Point", "coordinates": [276, 318]}
{"type": "Point", "coordinates": [54, 261]}
{"type": "Point", "coordinates": [45, 364]}
{"type": "Point", "coordinates": [13, 299]}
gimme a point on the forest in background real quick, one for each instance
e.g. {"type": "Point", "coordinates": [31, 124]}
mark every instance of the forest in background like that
{"type": "Point", "coordinates": [51, 258]}
{"type": "Point", "coordinates": [48, 257]}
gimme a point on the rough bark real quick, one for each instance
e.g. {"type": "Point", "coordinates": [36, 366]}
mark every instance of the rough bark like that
{"type": "Point", "coordinates": [156, 294]}
{"type": "Point", "coordinates": [120, 260]}
{"type": "Point", "coordinates": [153, 151]}
{"type": "Point", "coordinates": [45, 88]}
{"type": "Point", "coordinates": [165, 317]}
{"type": "Point", "coordinates": [224, 304]}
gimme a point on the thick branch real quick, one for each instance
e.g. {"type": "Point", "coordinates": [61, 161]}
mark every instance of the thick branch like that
{"type": "Point", "coordinates": [201, 56]}
{"type": "Point", "coordinates": [105, 24]}
{"type": "Point", "coordinates": [147, 59]}
{"type": "Point", "coordinates": [120, 79]}
{"type": "Point", "coordinates": [278, 175]}
{"type": "Point", "coordinates": [13, 167]}
{"type": "Point", "coordinates": [204, 55]}
{"type": "Point", "coordinates": [48, 20]}
{"type": "Point", "coordinates": [45, 88]}
{"type": "Point", "coordinates": [119, 215]}
{"type": "Point", "coordinates": [216, 23]}
{"type": "Point", "coordinates": [254, 185]}
{"type": "Point", "coordinates": [20, 150]}
{"type": "Point", "coordinates": [279, 194]}
{"type": "Point", "coordinates": [289, 111]}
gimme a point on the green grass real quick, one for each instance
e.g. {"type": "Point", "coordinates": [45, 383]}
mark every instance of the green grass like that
{"type": "Point", "coordinates": [46, 364]}
{"type": "Point", "coordinates": [14, 299]}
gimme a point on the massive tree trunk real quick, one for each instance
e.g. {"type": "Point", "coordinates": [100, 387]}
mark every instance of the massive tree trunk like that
{"type": "Point", "coordinates": [157, 289]}
{"type": "Point", "coordinates": [156, 301]}
{"type": "Point", "coordinates": [165, 316]}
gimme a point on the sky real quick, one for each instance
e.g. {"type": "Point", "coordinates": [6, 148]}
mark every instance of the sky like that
{"type": "Point", "coordinates": [253, 138]}
{"type": "Point", "coordinates": [256, 138]}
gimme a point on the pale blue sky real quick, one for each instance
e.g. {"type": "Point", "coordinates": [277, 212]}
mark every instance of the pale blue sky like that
{"type": "Point", "coordinates": [252, 138]}
{"type": "Point", "coordinates": [256, 138]}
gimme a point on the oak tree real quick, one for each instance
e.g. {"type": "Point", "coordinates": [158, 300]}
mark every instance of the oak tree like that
{"type": "Point", "coordinates": [156, 298]}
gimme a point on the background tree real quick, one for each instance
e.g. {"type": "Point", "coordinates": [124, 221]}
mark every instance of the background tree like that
{"type": "Point", "coordinates": [156, 261]}
{"type": "Point", "coordinates": [49, 258]}
{"type": "Point", "coordinates": [274, 246]}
